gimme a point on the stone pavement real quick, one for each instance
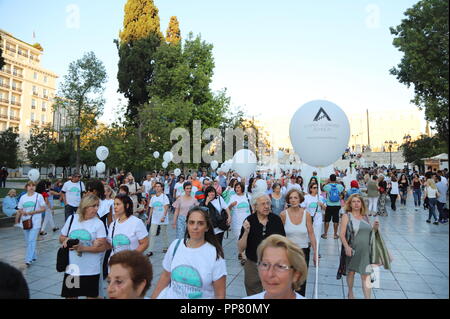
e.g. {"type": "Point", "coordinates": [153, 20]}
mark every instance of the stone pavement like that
{"type": "Point", "coordinates": [419, 270]}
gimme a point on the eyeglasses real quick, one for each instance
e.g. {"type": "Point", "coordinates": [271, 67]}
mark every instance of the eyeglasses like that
{"type": "Point", "coordinates": [315, 187]}
{"type": "Point", "coordinates": [263, 266]}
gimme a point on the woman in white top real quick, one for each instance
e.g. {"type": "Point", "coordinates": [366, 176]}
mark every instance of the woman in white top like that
{"type": "Point", "coordinates": [127, 232]}
{"type": "Point", "coordinates": [432, 193]}
{"type": "Point", "coordinates": [281, 267]}
{"type": "Point", "coordinates": [194, 268]}
{"type": "Point", "coordinates": [31, 206]}
{"type": "Point", "coordinates": [85, 258]}
{"type": "Point", "coordinates": [394, 193]}
{"type": "Point", "coordinates": [182, 206]}
{"type": "Point", "coordinates": [178, 189]}
{"type": "Point", "coordinates": [298, 226]}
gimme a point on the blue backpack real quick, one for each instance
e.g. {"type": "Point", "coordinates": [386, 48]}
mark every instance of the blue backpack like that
{"type": "Point", "coordinates": [334, 194]}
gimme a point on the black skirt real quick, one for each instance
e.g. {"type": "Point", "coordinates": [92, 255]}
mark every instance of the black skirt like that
{"type": "Point", "coordinates": [87, 287]}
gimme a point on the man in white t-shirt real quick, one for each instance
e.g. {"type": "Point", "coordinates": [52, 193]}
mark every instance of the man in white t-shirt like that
{"type": "Point", "coordinates": [148, 185]}
{"type": "Point", "coordinates": [72, 192]}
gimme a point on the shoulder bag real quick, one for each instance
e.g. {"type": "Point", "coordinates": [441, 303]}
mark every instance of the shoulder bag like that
{"type": "Point", "coordinates": [28, 224]}
{"type": "Point", "coordinates": [62, 257]}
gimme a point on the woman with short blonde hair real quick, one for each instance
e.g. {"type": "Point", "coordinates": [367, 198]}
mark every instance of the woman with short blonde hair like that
{"type": "Point", "coordinates": [85, 256]}
{"type": "Point", "coordinates": [280, 260]}
{"type": "Point", "coordinates": [348, 203]}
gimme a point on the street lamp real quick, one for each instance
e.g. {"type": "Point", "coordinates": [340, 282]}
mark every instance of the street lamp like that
{"type": "Point", "coordinates": [389, 144]}
{"type": "Point", "coordinates": [407, 139]}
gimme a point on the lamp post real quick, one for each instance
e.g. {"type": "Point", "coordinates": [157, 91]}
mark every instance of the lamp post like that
{"type": "Point", "coordinates": [389, 145]}
{"type": "Point", "coordinates": [407, 139]}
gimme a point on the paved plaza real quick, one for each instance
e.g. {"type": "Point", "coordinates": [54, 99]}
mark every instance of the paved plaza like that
{"type": "Point", "coordinates": [419, 270]}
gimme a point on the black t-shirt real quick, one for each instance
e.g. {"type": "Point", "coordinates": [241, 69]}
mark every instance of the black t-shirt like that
{"type": "Point", "coordinates": [428, 175]}
{"type": "Point", "coordinates": [255, 237]}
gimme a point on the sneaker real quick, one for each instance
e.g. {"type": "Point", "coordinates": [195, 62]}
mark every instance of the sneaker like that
{"type": "Point", "coordinates": [417, 208]}
{"type": "Point", "coordinates": [164, 251]}
{"type": "Point", "coordinates": [55, 229]}
{"type": "Point", "coordinates": [149, 254]}
{"type": "Point", "coordinates": [428, 221]}
{"type": "Point", "coordinates": [436, 223]}
{"type": "Point", "coordinates": [445, 221]}
{"type": "Point", "coordinates": [18, 225]}
{"type": "Point", "coordinates": [42, 233]}
{"type": "Point", "coordinates": [28, 264]}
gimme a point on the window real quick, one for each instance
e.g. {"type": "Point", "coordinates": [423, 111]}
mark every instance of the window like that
{"type": "Point", "coordinates": [35, 76]}
{"type": "Point", "coordinates": [11, 113]}
{"type": "Point", "coordinates": [43, 118]}
{"type": "Point", "coordinates": [35, 90]}
{"type": "Point", "coordinates": [45, 92]}
{"type": "Point", "coordinates": [13, 99]}
{"type": "Point", "coordinates": [45, 79]}
{"type": "Point", "coordinates": [32, 117]}
{"type": "Point", "coordinates": [33, 104]}
{"type": "Point", "coordinates": [44, 106]}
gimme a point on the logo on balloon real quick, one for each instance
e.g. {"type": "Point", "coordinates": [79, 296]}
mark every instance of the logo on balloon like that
{"type": "Point", "coordinates": [321, 115]}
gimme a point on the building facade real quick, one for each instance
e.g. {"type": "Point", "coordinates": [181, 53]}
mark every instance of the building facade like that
{"type": "Point", "coordinates": [26, 88]}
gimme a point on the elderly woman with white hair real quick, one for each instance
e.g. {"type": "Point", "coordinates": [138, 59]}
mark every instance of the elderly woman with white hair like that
{"type": "Point", "coordinates": [255, 229]}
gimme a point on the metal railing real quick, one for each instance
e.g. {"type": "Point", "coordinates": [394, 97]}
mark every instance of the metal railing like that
{"type": "Point", "coordinates": [16, 103]}
{"type": "Point", "coordinates": [17, 88]}
{"type": "Point", "coordinates": [4, 85]}
{"type": "Point", "coordinates": [20, 75]}
{"type": "Point", "coordinates": [4, 101]}
{"type": "Point", "coordinates": [3, 116]}
{"type": "Point", "coordinates": [6, 71]}
{"type": "Point", "coordinates": [13, 118]}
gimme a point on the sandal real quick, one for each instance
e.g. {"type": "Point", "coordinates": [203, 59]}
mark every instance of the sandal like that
{"type": "Point", "coordinates": [149, 254]}
{"type": "Point", "coordinates": [336, 237]}
{"type": "Point", "coordinates": [42, 233]}
{"type": "Point", "coordinates": [240, 256]}
{"type": "Point", "coordinates": [324, 236]}
{"type": "Point", "coordinates": [243, 262]}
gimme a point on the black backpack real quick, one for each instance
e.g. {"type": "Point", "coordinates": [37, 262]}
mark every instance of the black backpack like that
{"type": "Point", "coordinates": [218, 219]}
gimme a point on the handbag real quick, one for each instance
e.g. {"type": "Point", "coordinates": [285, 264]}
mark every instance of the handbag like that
{"type": "Point", "coordinates": [28, 224]}
{"type": "Point", "coordinates": [62, 257]}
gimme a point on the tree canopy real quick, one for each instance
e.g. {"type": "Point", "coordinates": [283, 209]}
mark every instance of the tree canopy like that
{"type": "Point", "coordinates": [423, 39]}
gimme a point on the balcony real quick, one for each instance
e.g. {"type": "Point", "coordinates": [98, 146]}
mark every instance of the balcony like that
{"type": "Point", "coordinates": [13, 118]}
{"type": "Point", "coordinates": [18, 74]}
{"type": "Point", "coordinates": [3, 116]}
{"type": "Point", "coordinates": [34, 122]}
{"type": "Point", "coordinates": [4, 101]}
{"type": "Point", "coordinates": [44, 109]}
{"type": "Point", "coordinates": [16, 103]}
{"type": "Point", "coordinates": [8, 48]}
{"type": "Point", "coordinates": [24, 54]}
{"type": "Point", "coordinates": [45, 97]}
{"type": "Point", "coordinates": [4, 85]}
{"type": "Point", "coordinates": [8, 71]}
{"type": "Point", "coordinates": [35, 94]}
{"type": "Point", "coordinates": [15, 88]}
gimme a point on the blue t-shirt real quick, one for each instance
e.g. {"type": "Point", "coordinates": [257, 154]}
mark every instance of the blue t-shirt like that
{"type": "Point", "coordinates": [327, 188]}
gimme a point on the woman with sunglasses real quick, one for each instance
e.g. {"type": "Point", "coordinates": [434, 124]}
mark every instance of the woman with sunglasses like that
{"type": "Point", "coordinates": [194, 268]}
{"type": "Point", "coordinates": [85, 258]}
{"type": "Point", "coordinates": [281, 267]}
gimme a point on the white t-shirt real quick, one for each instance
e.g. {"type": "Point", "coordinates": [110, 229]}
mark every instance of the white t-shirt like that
{"type": "Point", "coordinates": [27, 204]}
{"type": "Point", "coordinates": [394, 189]}
{"type": "Point", "coordinates": [158, 203]}
{"type": "Point", "coordinates": [263, 294]}
{"type": "Point", "coordinates": [126, 234]}
{"type": "Point", "coordinates": [147, 186]}
{"type": "Point", "coordinates": [73, 193]}
{"type": "Point", "coordinates": [431, 193]}
{"type": "Point", "coordinates": [294, 186]}
{"type": "Point", "coordinates": [104, 207]}
{"type": "Point", "coordinates": [87, 232]}
{"type": "Point", "coordinates": [192, 271]}
{"type": "Point", "coordinates": [179, 189]}
{"type": "Point", "coordinates": [166, 187]}
{"type": "Point", "coordinates": [311, 203]}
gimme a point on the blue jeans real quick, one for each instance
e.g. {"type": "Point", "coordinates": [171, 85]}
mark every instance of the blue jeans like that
{"type": "Point", "coordinates": [417, 193]}
{"type": "Point", "coordinates": [181, 226]}
{"type": "Point", "coordinates": [432, 208]}
{"type": "Point", "coordinates": [31, 240]}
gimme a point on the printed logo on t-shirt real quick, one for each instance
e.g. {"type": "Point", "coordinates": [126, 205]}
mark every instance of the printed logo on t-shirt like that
{"type": "Point", "coordinates": [28, 204]}
{"type": "Point", "coordinates": [158, 206]}
{"type": "Point", "coordinates": [74, 190]}
{"type": "Point", "coordinates": [243, 206]}
{"type": "Point", "coordinates": [121, 242]}
{"type": "Point", "coordinates": [83, 236]}
{"type": "Point", "coordinates": [186, 281]}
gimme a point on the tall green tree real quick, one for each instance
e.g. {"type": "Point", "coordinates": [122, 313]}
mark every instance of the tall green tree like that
{"type": "Point", "coordinates": [173, 33]}
{"type": "Point", "coordinates": [424, 147]}
{"type": "Point", "coordinates": [9, 141]}
{"type": "Point", "coordinates": [82, 90]}
{"type": "Point", "coordinates": [37, 146]}
{"type": "Point", "coordinates": [139, 39]}
{"type": "Point", "coordinates": [423, 38]}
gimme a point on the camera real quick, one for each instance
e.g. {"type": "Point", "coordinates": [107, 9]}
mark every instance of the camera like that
{"type": "Point", "coordinates": [72, 242]}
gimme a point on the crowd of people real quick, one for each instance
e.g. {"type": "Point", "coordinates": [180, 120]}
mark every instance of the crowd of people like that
{"type": "Point", "coordinates": [112, 227]}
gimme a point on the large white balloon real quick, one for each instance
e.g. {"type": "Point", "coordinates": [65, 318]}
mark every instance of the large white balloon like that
{"type": "Point", "coordinates": [156, 154]}
{"type": "Point", "coordinates": [168, 156]}
{"type": "Point", "coordinates": [33, 175]}
{"type": "Point", "coordinates": [319, 132]}
{"type": "Point", "coordinates": [164, 164]}
{"type": "Point", "coordinates": [102, 153]}
{"type": "Point", "coordinates": [100, 167]}
{"type": "Point", "coordinates": [214, 164]}
{"type": "Point", "coordinates": [177, 172]}
{"type": "Point", "coordinates": [244, 162]}
{"type": "Point", "coordinates": [260, 187]}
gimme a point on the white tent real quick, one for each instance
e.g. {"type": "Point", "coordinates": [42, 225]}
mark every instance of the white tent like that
{"type": "Point", "coordinates": [441, 157]}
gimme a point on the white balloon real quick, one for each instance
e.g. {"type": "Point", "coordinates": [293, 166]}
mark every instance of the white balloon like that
{"type": "Point", "coordinates": [33, 175]}
{"type": "Point", "coordinates": [319, 126]}
{"type": "Point", "coordinates": [260, 187]}
{"type": "Point", "coordinates": [280, 154]}
{"type": "Point", "coordinates": [177, 172]}
{"type": "Point", "coordinates": [100, 167]}
{"type": "Point", "coordinates": [168, 156]}
{"type": "Point", "coordinates": [102, 153]}
{"type": "Point", "coordinates": [164, 164]}
{"type": "Point", "coordinates": [156, 154]}
{"type": "Point", "coordinates": [214, 164]}
{"type": "Point", "coordinates": [244, 162]}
